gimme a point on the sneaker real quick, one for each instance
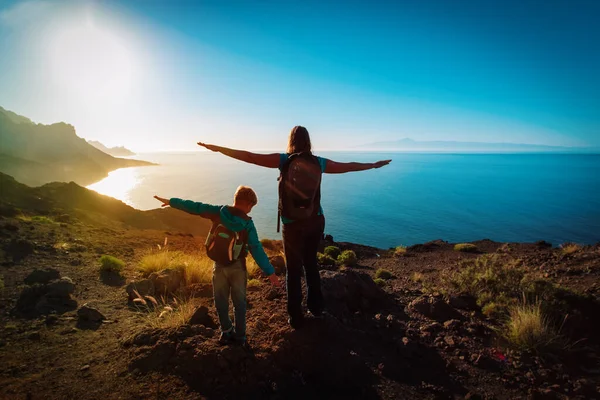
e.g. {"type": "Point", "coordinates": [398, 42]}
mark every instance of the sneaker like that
{"type": "Point", "coordinates": [296, 322]}
{"type": "Point", "coordinates": [226, 337]}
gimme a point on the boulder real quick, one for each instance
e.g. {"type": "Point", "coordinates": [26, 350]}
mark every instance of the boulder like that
{"type": "Point", "coordinates": [145, 287]}
{"type": "Point", "coordinates": [88, 313]}
{"type": "Point", "coordinates": [62, 287]}
{"type": "Point", "coordinates": [201, 317]}
{"type": "Point", "coordinates": [42, 276]}
{"type": "Point", "coordinates": [278, 262]}
{"type": "Point", "coordinates": [18, 249]}
{"type": "Point", "coordinates": [166, 281]}
{"type": "Point", "coordinates": [346, 292]}
{"type": "Point", "coordinates": [433, 308]}
{"type": "Point", "coordinates": [463, 302]}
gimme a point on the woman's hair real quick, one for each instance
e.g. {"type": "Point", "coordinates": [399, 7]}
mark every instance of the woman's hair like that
{"type": "Point", "coordinates": [299, 140]}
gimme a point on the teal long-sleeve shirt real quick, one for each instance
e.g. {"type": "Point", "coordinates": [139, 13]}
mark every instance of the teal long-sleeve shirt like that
{"type": "Point", "coordinates": [232, 219]}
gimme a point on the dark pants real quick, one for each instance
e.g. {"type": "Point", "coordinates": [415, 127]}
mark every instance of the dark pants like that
{"type": "Point", "coordinates": [300, 243]}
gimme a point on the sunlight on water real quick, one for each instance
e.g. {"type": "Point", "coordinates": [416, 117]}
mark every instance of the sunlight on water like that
{"type": "Point", "coordinates": [118, 184]}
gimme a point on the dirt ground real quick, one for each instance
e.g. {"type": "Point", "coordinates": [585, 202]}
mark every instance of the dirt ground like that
{"type": "Point", "coordinates": [370, 343]}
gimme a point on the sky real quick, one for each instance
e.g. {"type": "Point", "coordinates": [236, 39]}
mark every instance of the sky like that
{"type": "Point", "coordinates": [161, 75]}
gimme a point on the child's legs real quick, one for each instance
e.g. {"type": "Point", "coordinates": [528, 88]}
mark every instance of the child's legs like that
{"type": "Point", "coordinates": [238, 279]}
{"type": "Point", "coordinates": [221, 291]}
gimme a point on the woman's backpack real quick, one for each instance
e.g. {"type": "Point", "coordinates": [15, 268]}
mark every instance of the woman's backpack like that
{"type": "Point", "coordinates": [224, 245]}
{"type": "Point", "coordinates": [300, 187]}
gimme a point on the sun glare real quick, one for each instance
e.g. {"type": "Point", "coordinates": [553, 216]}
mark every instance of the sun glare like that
{"type": "Point", "coordinates": [118, 184]}
{"type": "Point", "coordinates": [91, 61]}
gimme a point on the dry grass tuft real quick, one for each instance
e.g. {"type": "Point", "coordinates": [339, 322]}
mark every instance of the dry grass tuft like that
{"type": "Point", "coordinates": [400, 251]}
{"type": "Point", "coordinates": [570, 248]}
{"type": "Point", "coordinates": [196, 268]}
{"type": "Point", "coordinates": [417, 277]}
{"type": "Point", "coordinates": [528, 327]}
{"type": "Point", "coordinates": [466, 247]}
{"type": "Point", "coordinates": [172, 315]}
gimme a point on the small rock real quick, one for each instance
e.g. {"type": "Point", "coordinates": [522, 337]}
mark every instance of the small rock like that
{"type": "Point", "coordinates": [84, 368]}
{"type": "Point", "coordinates": [452, 324]}
{"type": "Point", "coordinates": [272, 294]}
{"type": "Point", "coordinates": [449, 341]}
{"type": "Point", "coordinates": [433, 308]}
{"type": "Point", "coordinates": [88, 313]}
{"type": "Point", "coordinates": [34, 336]}
{"type": "Point", "coordinates": [433, 327]}
{"type": "Point", "coordinates": [51, 319]}
{"type": "Point", "coordinates": [42, 276]}
{"type": "Point", "coordinates": [261, 326]}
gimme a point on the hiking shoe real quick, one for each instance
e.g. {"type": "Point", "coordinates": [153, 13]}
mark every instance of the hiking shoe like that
{"type": "Point", "coordinates": [226, 337]}
{"type": "Point", "coordinates": [296, 322]}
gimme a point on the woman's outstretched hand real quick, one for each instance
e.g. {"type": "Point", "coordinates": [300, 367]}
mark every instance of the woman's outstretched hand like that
{"type": "Point", "coordinates": [165, 202]}
{"type": "Point", "coordinates": [210, 147]}
{"type": "Point", "coordinates": [382, 163]}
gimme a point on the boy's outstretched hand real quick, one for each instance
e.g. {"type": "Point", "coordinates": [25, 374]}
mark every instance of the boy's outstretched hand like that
{"type": "Point", "coordinates": [275, 280]}
{"type": "Point", "coordinates": [165, 202]}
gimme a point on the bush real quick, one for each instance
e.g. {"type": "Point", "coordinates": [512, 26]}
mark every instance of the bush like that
{"type": "Point", "coordinates": [528, 327]}
{"type": "Point", "coordinates": [196, 268]}
{"type": "Point", "coordinates": [254, 283]}
{"type": "Point", "coordinates": [325, 259]}
{"type": "Point", "coordinates": [417, 277]}
{"type": "Point", "coordinates": [400, 251]}
{"type": "Point", "coordinates": [111, 264]}
{"type": "Point", "coordinates": [383, 274]}
{"type": "Point", "coordinates": [252, 268]}
{"type": "Point", "coordinates": [43, 219]}
{"type": "Point", "coordinates": [380, 282]}
{"type": "Point", "coordinates": [333, 252]}
{"type": "Point", "coordinates": [570, 248]}
{"type": "Point", "coordinates": [466, 247]}
{"type": "Point", "coordinates": [347, 258]}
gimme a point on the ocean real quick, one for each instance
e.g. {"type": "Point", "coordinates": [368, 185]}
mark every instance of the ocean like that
{"type": "Point", "coordinates": [415, 199]}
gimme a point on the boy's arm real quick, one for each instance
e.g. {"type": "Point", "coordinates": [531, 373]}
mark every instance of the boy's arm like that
{"type": "Point", "coordinates": [193, 207]}
{"type": "Point", "coordinates": [258, 253]}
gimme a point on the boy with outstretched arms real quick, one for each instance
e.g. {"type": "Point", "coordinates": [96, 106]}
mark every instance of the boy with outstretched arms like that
{"type": "Point", "coordinates": [231, 235]}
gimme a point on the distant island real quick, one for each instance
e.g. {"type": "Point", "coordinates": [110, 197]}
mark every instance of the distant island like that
{"type": "Point", "coordinates": [408, 144]}
{"type": "Point", "coordinates": [36, 154]}
{"type": "Point", "coordinates": [118, 151]}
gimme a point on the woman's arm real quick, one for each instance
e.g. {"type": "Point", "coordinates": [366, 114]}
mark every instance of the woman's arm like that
{"type": "Point", "coordinates": [334, 167]}
{"type": "Point", "coordinates": [263, 160]}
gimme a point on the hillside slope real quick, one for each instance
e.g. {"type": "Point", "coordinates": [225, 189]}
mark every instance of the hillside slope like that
{"type": "Point", "coordinates": [36, 154]}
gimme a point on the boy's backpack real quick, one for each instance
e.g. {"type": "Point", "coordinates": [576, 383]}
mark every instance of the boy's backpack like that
{"type": "Point", "coordinates": [300, 187]}
{"type": "Point", "coordinates": [224, 245]}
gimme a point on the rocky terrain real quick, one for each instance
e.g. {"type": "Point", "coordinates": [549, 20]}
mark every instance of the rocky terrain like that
{"type": "Point", "coordinates": [393, 327]}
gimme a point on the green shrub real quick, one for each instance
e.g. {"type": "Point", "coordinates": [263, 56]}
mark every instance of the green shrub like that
{"type": "Point", "coordinates": [111, 264]}
{"type": "Point", "coordinates": [254, 283]}
{"type": "Point", "coordinates": [380, 282]}
{"type": "Point", "coordinates": [325, 259]}
{"type": "Point", "coordinates": [383, 274]}
{"type": "Point", "coordinates": [400, 251]}
{"type": "Point", "coordinates": [333, 252]}
{"type": "Point", "coordinates": [347, 258]}
{"type": "Point", "coordinates": [466, 247]}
